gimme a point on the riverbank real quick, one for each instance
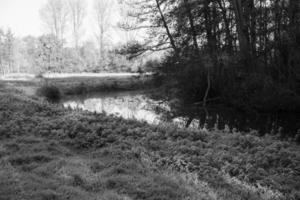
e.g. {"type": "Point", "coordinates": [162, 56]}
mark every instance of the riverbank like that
{"type": "Point", "coordinates": [252, 93]}
{"type": "Point", "coordinates": [48, 152]}
{"type": "Point", "coordinates": [75, 84]}
{"type": "Point", "coordinates": [84, 85]}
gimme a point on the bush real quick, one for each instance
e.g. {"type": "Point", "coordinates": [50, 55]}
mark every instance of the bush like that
{"type": "Point", "coordinates": [50, 92]}
{"type": "Point", "coordinates": [39, 75]}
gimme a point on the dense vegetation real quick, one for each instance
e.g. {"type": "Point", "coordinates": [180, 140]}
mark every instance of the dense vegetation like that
{"type": "Point", "coordinates": [244, 53]}
{"type": "Point", "coordinates": [47, 152]}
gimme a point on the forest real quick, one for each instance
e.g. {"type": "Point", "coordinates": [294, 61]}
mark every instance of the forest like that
{"type": "Point", "coordinates": [241, 52]}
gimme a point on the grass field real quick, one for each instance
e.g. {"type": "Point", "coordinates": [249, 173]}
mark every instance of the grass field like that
{"type": "Point", "coordinates": [47, 152]}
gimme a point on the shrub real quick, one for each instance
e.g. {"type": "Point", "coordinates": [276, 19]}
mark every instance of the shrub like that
{"type": "Point", "coordinates": [39, 75]}
{"type": "Point", "coordinates": [50, 92]}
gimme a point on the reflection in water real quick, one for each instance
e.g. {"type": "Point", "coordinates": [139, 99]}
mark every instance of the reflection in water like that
{"type": "Point", "coordinates": [129, 105]}
{"type": "Point", "coordinates": [123, 105]}
{"type": "Point", "coordinates": [135, 105]}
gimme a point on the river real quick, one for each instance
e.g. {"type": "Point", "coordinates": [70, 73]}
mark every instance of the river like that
{"type": "Point", "coordinates": [138, 105]}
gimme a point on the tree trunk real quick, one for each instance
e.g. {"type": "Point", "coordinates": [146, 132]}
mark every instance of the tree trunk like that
{"type": "Point", "coordinates": [227, 29]}
{"type": "Point", "coordinates": [208, 88]}
{"type": "Point", "coordinates": [192, 26]}
{"type": "Point", "coordinates": [242, 34]}
{"type": "Point", "coordinates": [253, 16]}
{"type": "Point", "coordinates": [211, 44]}
{"type": "Point", "coordinates": [172, 42]}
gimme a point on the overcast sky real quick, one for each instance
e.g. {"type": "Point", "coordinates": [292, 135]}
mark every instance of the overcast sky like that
{"type": "Point", "coordinates": [23, 18]}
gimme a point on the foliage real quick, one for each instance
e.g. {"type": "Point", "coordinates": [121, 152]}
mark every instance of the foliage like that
{"type": "Point", "coordinates": [133, 49]}
{"type": "Point", "coordinates": [49, 53]}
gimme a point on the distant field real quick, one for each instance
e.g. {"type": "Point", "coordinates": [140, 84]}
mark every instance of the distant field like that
{"type": "Point", "coordinates": [78, 83]}
{"type": "Point", "coordinates": [30, 77]}
{"type": "Point", "coordinates": [17, 77]}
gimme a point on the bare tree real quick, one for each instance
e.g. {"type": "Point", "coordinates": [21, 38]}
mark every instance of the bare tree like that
{"type": "Point", "coordinates": [54, 14]}
{"type": "Point", "coordinates": [103, 9]}
{"type": "Point", "coordinates": [77, 15]}
{"type": "Point", "coordinates": [153, 19]}
{"type": "Point", "coordinates": [126, 23]}
{"type": "Point", "coordinates": [9, 51]}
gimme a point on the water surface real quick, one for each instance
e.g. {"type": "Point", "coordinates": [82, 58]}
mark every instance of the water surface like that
{"type": "Point", "coordinates": [137, 105]}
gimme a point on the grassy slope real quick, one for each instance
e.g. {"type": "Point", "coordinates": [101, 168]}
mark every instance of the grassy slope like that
{"type": "Point", "coordinates": [47, 152]}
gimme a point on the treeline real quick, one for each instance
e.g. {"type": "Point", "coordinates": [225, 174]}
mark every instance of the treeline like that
{"type": "Point", "coordinates": [62, 47]}
{"type": "Point", "coordinates": [47, 54]}
{"type": "Point", "coordinates": [244, 52]}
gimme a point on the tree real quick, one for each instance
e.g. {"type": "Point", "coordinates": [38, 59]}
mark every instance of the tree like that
{"type": "Point", "coordinates": [191, 19]}
{"type": "Point", "coordinates": [30, 53]}
{"type": "Point", "coordinates": [2, 50]}
{"type": "Point", "coordinates": [88, 53]}
{"type": "Point", "coordinates": [9, 50]}
{"type": "Point", "coordinates": [55, 15]}
{"type": "Point", "coordinates": [102, 9]}
{"type": "Point", "coordinates": [77, 15]}
{"type": "Point", "coordinates": [242, 30]}
{"type": "Point", "coordinates": [126, 22]}
{"type": "Point", "coordinates": [153, 17]}
{"type": "Point", "coordinates": [49, 54]}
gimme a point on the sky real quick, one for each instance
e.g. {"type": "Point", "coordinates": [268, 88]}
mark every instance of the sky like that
{"type": "Point", "coordinates": [23, 18]}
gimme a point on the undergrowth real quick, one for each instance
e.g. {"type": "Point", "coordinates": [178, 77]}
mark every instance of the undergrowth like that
{"type": "Point", "coordinates": [48, 152]}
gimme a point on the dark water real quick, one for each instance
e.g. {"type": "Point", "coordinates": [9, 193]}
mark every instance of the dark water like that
{"type": "Point", "coordinates": [139, 106]}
